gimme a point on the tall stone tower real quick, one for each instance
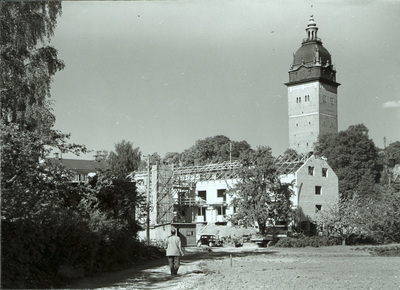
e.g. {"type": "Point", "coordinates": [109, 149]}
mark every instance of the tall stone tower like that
{"type": "Point", "coordinates": [312, 93]}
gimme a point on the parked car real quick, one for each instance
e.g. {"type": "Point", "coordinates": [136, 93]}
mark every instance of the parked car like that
{"type": "Point", "coordinates": [209, 240]}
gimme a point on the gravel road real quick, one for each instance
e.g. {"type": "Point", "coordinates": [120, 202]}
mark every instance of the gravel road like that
{"type": "Point", "coordinates": [339, 267]}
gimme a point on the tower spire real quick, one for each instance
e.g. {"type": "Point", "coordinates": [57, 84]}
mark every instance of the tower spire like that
{"type": "Point", "coordinates": [312, 29]}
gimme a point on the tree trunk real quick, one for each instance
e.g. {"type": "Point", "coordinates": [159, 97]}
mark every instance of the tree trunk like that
{"type": "Point", "coordinates": [261, 227]}
{"type": "Point", "coordinates": [343, 242]}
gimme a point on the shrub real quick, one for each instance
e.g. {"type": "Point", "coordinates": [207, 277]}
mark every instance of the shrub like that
{"type": "Point", "coordinates": [304, 241]}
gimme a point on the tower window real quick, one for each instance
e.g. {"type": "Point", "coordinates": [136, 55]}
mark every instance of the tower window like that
{"type": "Point", "coordinates": [318, 190]}
{"type": "Point", "coordinates": [310, 169]}
{"type": "Point", "coordinates": [324, 172]}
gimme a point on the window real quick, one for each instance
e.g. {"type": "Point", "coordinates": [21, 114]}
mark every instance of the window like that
{"type": "Point", "coordinates": [318, 207]}
{"type": "Point", "coordinates": [189, 233]}
{"type": "Point", "coordinates": [202, 194]}
{"type": "Point", "coordinates": [318, 190]}
{"type": "Point", "coordinates": [221, 210]}
{"type": "Point", "coordinates": [221, 193]}
{"type": "Point", "coordinates": [332, 100]}
{"type": "Point", "coordinates": [311, 170]}
{"type": "Point", "coordinates": [307, 98]}
{"type": "Point", "coordinates": [324, 172]}
{"type": "Point", "coordinates": [324, 98]}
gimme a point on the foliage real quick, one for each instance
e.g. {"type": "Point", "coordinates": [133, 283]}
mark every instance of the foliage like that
{"type": "Point", "coordinates": [117, 198]}
{"type": "Point", "coordinates": [354, 158]}
{"type": "Point", "coordinates": [48, 222]}
{"type": "Point", "coordinates": [304, 241]}
{"type": "Point", "coordinates": [381, 215]}
{"type": "Point", "coordinates": [258, 195]}
{"type": "Point", "coordinates": [125, 159]}
{"type": "Point", "coordinates": [172, 158]}
{"type": "Point", "coordinates": [375, 218]}
{"type": "Point", "coordinates": [389, 157]}
{"type": "Point", "coordinates": [393, 151]}
{"type": "Point", "coordinates": [27, 63]}
{"type": "Point", "coordinates": [213, 150]}
{"type": "Point", "coordinates": [341, 220]}
{"type": "Point", "coordinates": [154, 159]}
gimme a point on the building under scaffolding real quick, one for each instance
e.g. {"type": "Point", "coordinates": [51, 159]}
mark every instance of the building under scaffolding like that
{"type": "Point", "coordinates": [173, 197]}
{"type": "Point", "coordinates": [180, 196]}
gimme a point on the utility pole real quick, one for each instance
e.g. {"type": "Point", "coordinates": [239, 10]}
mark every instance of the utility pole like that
{"type": "Point", "coordinates": [148, 201]}
{"type": "Point", "coordinates": [230, 153]}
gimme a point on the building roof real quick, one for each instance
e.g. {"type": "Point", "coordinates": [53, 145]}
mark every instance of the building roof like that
{"type": "Point", "coordinates": [311, 52]}
{"type": "Point", "coordinates": [81, 166]}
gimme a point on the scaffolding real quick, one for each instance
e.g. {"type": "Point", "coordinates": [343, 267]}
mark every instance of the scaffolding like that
{"type": "Point", "coordinates": [289, 163]}
{"type": "Point", "coordinates": [173, 188]}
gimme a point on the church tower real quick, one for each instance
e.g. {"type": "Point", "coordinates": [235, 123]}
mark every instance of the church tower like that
{"type": "Point", "coordinates": [312, 93]}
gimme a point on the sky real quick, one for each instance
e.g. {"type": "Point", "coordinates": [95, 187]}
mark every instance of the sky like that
{"type": "Point", "coordinates": [163, 74]}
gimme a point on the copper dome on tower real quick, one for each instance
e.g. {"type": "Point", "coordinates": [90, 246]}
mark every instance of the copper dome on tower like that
{"type": "Point", "coordinates": [311, 51]}
{"type": "Point", "coordinates": [312, 60]}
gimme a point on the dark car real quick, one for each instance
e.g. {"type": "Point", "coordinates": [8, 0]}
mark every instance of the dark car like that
{"type": "Point", "coordinates": [209, 240]}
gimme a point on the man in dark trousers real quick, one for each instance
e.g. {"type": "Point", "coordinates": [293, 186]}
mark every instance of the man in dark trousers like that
{"type": "Point", "coordinates": [174, 251]}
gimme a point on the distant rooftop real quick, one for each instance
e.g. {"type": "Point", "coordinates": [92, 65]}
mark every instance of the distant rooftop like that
{"type": "Point", "coordinates": [81, 166]}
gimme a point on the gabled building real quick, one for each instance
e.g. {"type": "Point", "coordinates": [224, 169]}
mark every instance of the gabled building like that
{"type": "Point", "coordinates": [82, 168]}
{"type": "Point", "coordinates": [315, 186]}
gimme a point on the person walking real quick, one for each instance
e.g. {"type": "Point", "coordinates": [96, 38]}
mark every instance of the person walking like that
{"type": "Point", "coordinates": [174, 251]}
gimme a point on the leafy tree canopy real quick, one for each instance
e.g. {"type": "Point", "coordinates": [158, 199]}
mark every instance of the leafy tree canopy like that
{"type": "Point", "coordinates": [258, 195]}
{"type": "Point", "coordinates": [354, 158]}
{"type": "Point", "coordinates": [28, 63]}
{"type": "Point", "coordinates": [393, 151]}
{"type": "Point", "coordinates": [124, 160]}
{"type": "Point", "coordinates": [213, 150]}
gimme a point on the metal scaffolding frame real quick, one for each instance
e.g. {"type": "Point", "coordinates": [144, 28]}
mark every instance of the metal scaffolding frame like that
{"type": "Point", "coordinates": [181, 184]}
{"type": "Point", "coordinates": [175, 191]}
{"type": "Point", "coordinates": [289, 163]}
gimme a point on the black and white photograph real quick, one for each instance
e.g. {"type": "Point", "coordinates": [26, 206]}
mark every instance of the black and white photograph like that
{"type": "Point", "coordinates": [192, 144]}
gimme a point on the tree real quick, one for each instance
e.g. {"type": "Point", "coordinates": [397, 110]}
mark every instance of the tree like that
{"type": "Point", "coordinates": [172, 158]}
{"type": "Point", "coordinates": [28, 63]}
{"type": "Point", "coordinates": [381, 215]}
{"type": "Point", "coordinates": [341, 220]}
{"type": "Point", "coordinates": [213, 150]}
{"type": "Point", "coordinates": [124, 160]}
{"type": "Point", "coordinates": [154, 160]}
{"type": "Point", "coordinates": [393, 151]}
{"type": "Point", "coordinates": [375, 217]}
{"type": "Point", "coordinates": [258, 196]}
{"type": "Point", "coordinates": [354, 158]}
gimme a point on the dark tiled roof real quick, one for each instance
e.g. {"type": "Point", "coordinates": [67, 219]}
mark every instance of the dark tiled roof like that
{"type": "Point", "coordinates": [81, 166]}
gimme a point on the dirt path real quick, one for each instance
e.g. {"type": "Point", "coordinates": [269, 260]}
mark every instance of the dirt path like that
{"type": "Point", "coordinates": [257, 268]}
